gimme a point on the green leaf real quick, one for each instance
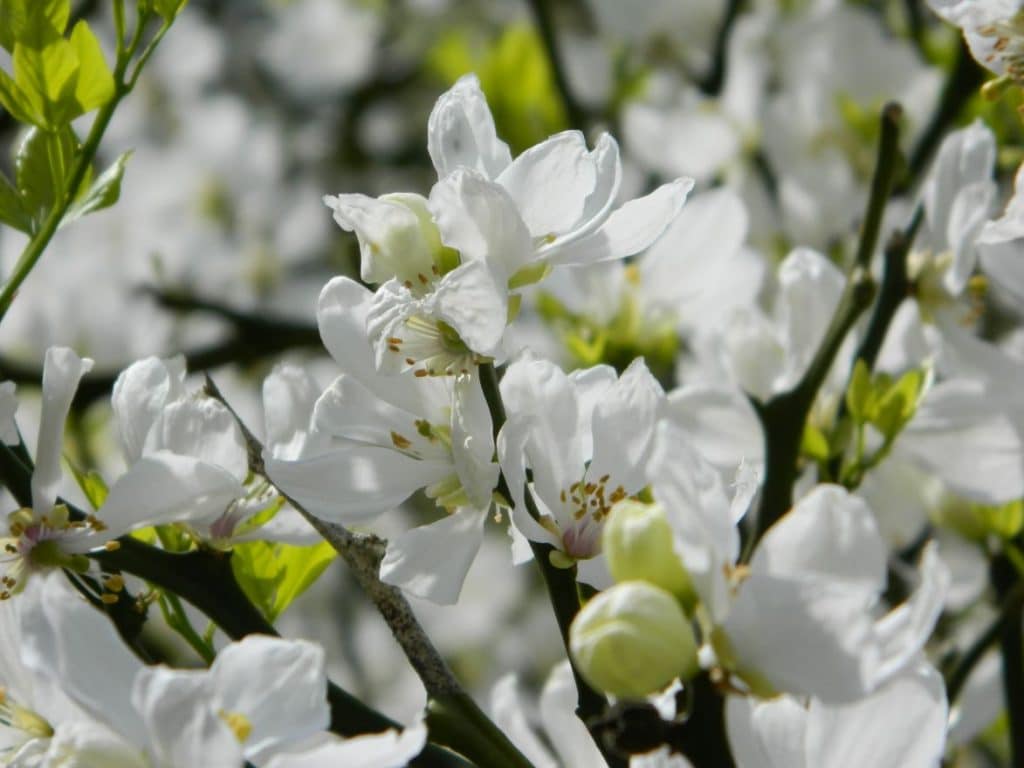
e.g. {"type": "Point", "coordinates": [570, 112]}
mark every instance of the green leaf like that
{"type": "Point", "coordinates": [47, 77]}
{"type": "Point", "coordinates": [168, 9]}
{"type": "Point", "coordinates": [92, 485]}
{"type": "Point", "coordinates": [95, 84]}
{"type": "Point", "coordinates": [273, 575]}
{"type": "Point", "coordinates": [14, 100]}
{"type": "Point", "coordinates": [34, 23]}
{"type": "Point", "coordinates": [1005, 521]}
{"type": "Point", "coordinates": [103, 192]}
{"type": "Point", "coordinates": [814, 443]}
{"type": "Point", "coordinates": [42, 165]}
{"type": "Point", "coordinates": [896, 404]}
{"type": "Point", "coordinates": [859, 391]}
{"type": "Point", "coordinates": [12, 212]}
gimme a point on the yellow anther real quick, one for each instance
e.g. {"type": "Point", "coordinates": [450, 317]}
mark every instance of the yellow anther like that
{"type": "Point", "coordinates": [238, 723]}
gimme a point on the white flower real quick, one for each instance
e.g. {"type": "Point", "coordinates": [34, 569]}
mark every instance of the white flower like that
{"type": "Point", "coordinates": [374, 439]}
{"type": "Point", "coordinates": [158, 416]}
{"type": "Point", "coordinates": [906, 720]}
{"type": "Point", "coordinates": [442, 311]}
{"type": "Point", "coordinates": [992, 28]}
{"type": "Point", "coordinates": [389, 749]}
{"type": "Point", "coordinates": [586, 436]}
{"type": "Point", "coordinates": [799, 618]}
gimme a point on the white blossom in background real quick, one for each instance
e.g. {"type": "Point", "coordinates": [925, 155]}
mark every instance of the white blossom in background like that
{"type": "Point", "coordinates": [8, 407]}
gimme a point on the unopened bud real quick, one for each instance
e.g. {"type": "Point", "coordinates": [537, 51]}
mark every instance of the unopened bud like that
{"type": "Point", "coordinates": [637, 542]}
{"type": "Point", "coordinates": [632, 640]}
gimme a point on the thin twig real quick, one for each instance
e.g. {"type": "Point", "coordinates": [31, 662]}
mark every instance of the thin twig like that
{"type": "Point", "coordinates": [783, 416]}
{"type": "Point", "coordinates": [546, 26]}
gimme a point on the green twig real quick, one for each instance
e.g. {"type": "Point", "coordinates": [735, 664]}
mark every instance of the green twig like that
{"type": "Point", "coordinates": [40, 240]}
{"type": "Point", "coordinates": [174, 614]}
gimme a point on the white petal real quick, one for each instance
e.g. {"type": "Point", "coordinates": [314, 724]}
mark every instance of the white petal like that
{"type": "Point", "coordinates": [904, 630]}
{"type": "Point", "coordinates": [829, 535]}
{"type": "Point", "coordinates": [568, 735]}
{"type": "Point", "coordinates": [508, 713]}
{"type": "Point", "coordinates": [810, 286]}
{"type": "Point", "coordinates": [477, 217]}
{"type": "Point", "coordinates": [811, 636]}
{"type": "Point", "coordinates": [289, 394]}
{"type": "Point", "coordinates": [166, 488]}
{"type": "Point", "coordinates": [70, 642]}
{"type": "Point", "coordinates": [293, 670]}
{"type": "Point", "coordinates": [388, 749]}
{"type": "Point", "coordinates": [630, 229]}
{"type": "Point", "coordinates": [461, 133]}
{"type": "Point", "coordinates": [659, 758]}
{"type": "Point", "coordinates": [473, 441]}
{"type": "Point", "coordinates": [182, 725]}
{"type": "Point", "coordinates": [202, 428]}
{"type": "Point", "coordinates": [354, 482]}
{"type": "Point", "coordinates": [916, 701]}
{"type": "Point", "coordinates": [550, 183]}
{"type": "Point", "coordinates": [720, 423]}
{"type": "Point", "coordinates": [139, 396]}
{"type": "Point", "coordinates": [392, 239]}
{"type": "Point", "coordinates": [623, 425]}
{"type": "Point", "coordinates": [705, 536]}
{"type": "Point", "coordinates": [341, 314]}
{"type": "Point", "coordinates": [62, 370]}
{"type": "Point", "coordinates": [432, 561]}
{"type": "Point", "coordinates": [474, 301]}
{"type": "Point", "coordinates": [972, 438]}
{"type": "Point", "coordinates": [766, 734]}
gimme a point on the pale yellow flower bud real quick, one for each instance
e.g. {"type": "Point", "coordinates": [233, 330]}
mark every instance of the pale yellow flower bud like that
{"type": "Point", "coordinates": [632, 640]}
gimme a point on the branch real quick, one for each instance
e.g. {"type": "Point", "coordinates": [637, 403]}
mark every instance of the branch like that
{"type": "Point", "coordinates": [968, 660]}
{"type": "Point", "coordinates": [714, 80]}
{"type": "Point", "coordinates": [961, 84]}
{"type": "Point", "coordinates": [1006, 582]}
{"type": "Point", "coordinates": [783, 416]}
{"type": "Point", "coordinates": [453, 716]}
{"type": "Point", "coordinates": [255, 336]}
{"type": "Point", "coordinates": [542, 15]}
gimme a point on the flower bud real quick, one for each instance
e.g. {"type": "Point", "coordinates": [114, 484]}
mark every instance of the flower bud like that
{"type": "Point", "coordinates": [637, 542]}
{"type": "Point", "coordinates": [632, 640]}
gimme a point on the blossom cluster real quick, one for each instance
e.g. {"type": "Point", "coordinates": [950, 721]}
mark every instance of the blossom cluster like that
{"type": "Point", "coordinates": [745, 394]}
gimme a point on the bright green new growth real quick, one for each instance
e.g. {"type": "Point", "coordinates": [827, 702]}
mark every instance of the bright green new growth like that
{"type": "Point", "coordinates": [273, 575]}
{"type": "Point", "coordinates": [632, 640]}
{"type": "Point", "coordinates": [637, 542]}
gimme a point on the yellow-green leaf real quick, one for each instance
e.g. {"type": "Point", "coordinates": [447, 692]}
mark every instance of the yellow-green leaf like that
{"type": "Point", "coordinates": [92, 485]}
{"type": "Point", "coordinates": [814, 444]}
{"type": "Point", "coordinates": [859, 391]}
{"type": "Point", "coordinates": [47, 77]}
{"type": "Point", "coordinates": [103, 192]}
{"type": "Point", "coordinates": [273, 575]}
{"type": "Point", "coordinates": [168, 9]}
{"type": "Point", "coordinates": [34, 23]}
{"type": "Point", "coordinates": [12, 212]}
{"type": "Point", "coordinates": [42, 165]}
{"type": "Point", "coordinates": [95, 84]}
{"type": "Point", "coordinates": [17, 104]}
